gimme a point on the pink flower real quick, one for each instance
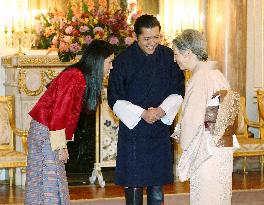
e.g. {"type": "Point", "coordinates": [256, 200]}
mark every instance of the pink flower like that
{"type": "Point", "coordinates": [88, 39]}
{"type": "Point", "coordinates": [84, 29]}
{"type": "Point", "coordinates": [128, 40]}
{"type": "Point", "coordinates": [98, 30]}
{"type": "Point", "coordinates": [75, 47]}
{"type": "Point", "coordinates": [64, 47]}
{"type": "Point", "coordinates": [69, 29]}
{"type": "Point", "coordinates": [134, 16]}
{"type": "Point", "coordinates": [113, 40]}
{"type": "Point", "coordinates": [54, 20]}
{"type": "Point", "coordinates": [67, 39]}
{"type": "Point", "coordinates": [62, 24]}
{"type": "Point", "coordinates": [39, 27]}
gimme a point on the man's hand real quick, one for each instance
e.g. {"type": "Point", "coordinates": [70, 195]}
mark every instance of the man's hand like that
{"type": "Point", "coordinates": [159, 112]}
{"type": "Point", "coordinates": [149, 116]}
{"type": "Point", "coordinates": [153, 114]}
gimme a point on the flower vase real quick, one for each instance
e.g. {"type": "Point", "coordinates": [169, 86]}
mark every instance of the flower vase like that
{"type": "Point", "coordinates": [66, 56]}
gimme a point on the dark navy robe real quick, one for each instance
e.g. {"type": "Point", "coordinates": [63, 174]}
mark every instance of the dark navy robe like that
{"type": "Point", "coordinates": [144, 152]}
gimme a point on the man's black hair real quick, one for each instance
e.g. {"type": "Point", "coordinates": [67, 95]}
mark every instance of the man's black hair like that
{"type": "Point", "coordinates": [145, 21]}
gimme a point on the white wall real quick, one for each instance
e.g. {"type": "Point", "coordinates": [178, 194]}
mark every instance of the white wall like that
{"type": "Point", "coordinates": [3, 52]}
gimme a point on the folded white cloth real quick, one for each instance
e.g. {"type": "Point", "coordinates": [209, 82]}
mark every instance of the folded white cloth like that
{"type": "Point", "coordinates": [196, 154]}
{"type": "Point", "coordinates": [236, 144]}
{"type": "Point", "coordinates": [214, 101]}
{"type": "Point", "coordinates": [58, 139]}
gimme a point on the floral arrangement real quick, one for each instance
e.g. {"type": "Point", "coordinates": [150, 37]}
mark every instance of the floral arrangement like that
{"type": "Point", "coordinates": [44, 30]}
{"type": "Point", "coordinates": [68, 32]}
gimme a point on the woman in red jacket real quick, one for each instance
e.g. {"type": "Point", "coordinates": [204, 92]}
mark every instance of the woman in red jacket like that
{"type": "Point", "coordinates": [54, 119]}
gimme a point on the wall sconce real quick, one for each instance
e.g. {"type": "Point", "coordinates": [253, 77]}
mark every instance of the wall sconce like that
{"type": "Point", "coordinates": [177, 15]}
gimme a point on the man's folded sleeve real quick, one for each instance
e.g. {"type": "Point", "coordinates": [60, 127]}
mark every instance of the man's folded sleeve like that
{"type": "Point", "coordinates": [128, 113]}
{"type": "Point", "coordinates": [171, 106]}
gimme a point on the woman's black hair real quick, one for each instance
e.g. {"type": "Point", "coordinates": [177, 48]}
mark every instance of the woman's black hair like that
{"type": "Point", "coordinates": [92, 66]}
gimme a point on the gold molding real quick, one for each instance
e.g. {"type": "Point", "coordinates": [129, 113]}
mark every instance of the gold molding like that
{"type": "Point", "coordinates": [51, 74]}
{"type": "Point", "coordinates": [39, 61]}
{"type": "Point", "coordinates": [22, 86]}
{"type": "Point", "coordinates": [14, 164]}
{"type": "Point", "coordinates": [34, 61]}
{"type": "Point", "coordinates": [6, 61]}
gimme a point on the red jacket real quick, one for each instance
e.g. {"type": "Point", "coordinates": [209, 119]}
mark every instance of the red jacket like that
{"type": "Point", "coordinates": [60, 106]}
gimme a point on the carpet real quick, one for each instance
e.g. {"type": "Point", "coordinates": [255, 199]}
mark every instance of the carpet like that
{"type": "Point", "coordinates": [240, 197]}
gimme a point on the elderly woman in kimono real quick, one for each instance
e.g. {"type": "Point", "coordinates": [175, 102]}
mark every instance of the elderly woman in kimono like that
{"type": "Point", "coordinates": [206, 125]}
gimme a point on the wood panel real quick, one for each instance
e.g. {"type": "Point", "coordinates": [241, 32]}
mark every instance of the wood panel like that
{"type": "Point", "coordinates": [226, 34]}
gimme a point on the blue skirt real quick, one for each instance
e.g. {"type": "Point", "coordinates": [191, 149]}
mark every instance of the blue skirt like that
{"type": "Point", "coordinates": [46, 181]}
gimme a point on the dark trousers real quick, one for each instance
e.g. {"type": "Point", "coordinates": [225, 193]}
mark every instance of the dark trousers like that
{"type": "Point", "coordinates": [134, 195]}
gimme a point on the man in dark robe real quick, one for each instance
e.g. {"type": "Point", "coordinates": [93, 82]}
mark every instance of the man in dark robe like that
{"type": "Point", "coordinates": [144, 91]}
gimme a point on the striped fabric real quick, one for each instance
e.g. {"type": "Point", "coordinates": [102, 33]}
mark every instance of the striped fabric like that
{"type": "Point", "coordinates": [46, 181]}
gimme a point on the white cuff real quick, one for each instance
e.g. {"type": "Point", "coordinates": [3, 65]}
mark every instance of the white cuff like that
{"type": "Point", "coordinates": [58, 139]}
{"type": "Point", "coordinates": [236, 144]}
{"type": "Point", "coordinates": [214, 101]}
{"type": "Point", "coordinates": [128, 113]}
{"type": "Point", "coordinates": [171, 106]}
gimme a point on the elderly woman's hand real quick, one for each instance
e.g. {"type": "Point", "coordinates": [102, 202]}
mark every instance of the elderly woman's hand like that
{"type": "Point", "coordinates": [63, 155]}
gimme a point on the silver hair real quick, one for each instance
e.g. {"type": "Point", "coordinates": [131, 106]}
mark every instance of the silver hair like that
{"type": "Point", "coordinates": [194, 41]}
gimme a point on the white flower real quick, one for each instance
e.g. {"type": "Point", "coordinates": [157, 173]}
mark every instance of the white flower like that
{"type": "Point", "coordinates": [111, 150]}
{"type": "Point", "coordinates": [107, 141]}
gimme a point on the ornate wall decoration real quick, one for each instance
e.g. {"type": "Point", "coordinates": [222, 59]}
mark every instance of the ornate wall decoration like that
{"type": "Point", "coordinates": [51, 74]}
{"type": "Point", "coordinates": [23, 83]}
{"type": "Point", "coordinates": [6, 61]}
{"type": "Point", "coordinates": [33, 82]}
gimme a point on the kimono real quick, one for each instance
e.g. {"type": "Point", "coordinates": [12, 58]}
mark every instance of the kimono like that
{"type": "Point", "coordinates": [208, 165]}
{"type": "Point", "coordinates": [57, 112]}
{"type": "Point", "coordinates": [137, 82]}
